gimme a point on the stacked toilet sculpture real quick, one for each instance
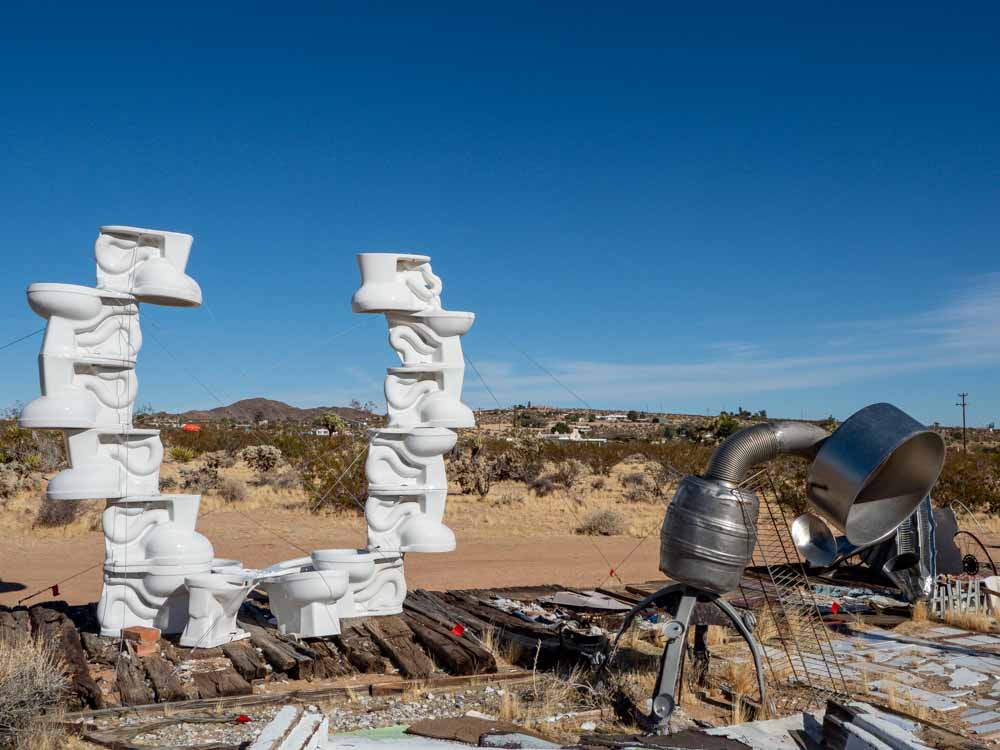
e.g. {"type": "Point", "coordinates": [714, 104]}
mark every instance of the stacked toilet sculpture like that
{"type": "Point", "coordinates": [407, 486]}
{"type": "Point", "coordinates": [159, 571]}
{"type": "Point", "coordinates": [88, 383]}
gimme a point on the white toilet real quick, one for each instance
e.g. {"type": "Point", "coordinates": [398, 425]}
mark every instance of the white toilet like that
{"type": "Point", "coordinates": [214, 601]}
{"type": "Point", "coordinates": [304, 601]}
{"type": "Point", "coordinates": [376, 582]}
{"type": "Point", "coordinates": [147, 263]}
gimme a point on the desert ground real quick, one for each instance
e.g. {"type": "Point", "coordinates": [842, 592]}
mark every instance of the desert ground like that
{"type": "Point", "coordinates": [509, 537]}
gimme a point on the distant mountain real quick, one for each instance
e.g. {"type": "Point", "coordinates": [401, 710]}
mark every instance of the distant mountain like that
{"type": "Point", "coordinates": [255, 409]}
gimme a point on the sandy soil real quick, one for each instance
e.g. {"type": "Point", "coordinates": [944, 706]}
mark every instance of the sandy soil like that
{"type": "Point", "coordinates": [482, 559]}
{"type": "Point", "coordinates": [509, 538]}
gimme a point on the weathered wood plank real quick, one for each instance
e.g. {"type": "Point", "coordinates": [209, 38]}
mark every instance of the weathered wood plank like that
{"type": "Point", "coordinates": [166, 684]}
{"type": "Point", "coordinates": [357, 645]}
{"type": "Point", "coordinates": [331, 662]}
{"type": "Point", "coordinates": [52, 626]}
{"type": "Point", "coordinates": [221, 683]}
{"type": "Point", "coordinates": [396, 641]}
{"type": "Point", "coordinates": [281, 655]}
{"type": "Point", "coordinates": [250, 664]}
{"type": "Point", "coordinates": [459, 655]}
{"type": "Point", "coordinates": [131, 681]}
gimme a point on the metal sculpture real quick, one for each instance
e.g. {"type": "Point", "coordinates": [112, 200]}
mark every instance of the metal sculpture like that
{"type": "Point", "coordinates": [865, 479]}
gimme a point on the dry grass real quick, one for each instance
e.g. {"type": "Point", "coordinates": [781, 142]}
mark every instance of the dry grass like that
{"type": "Point", "coordinates": [603, 523]}
{"type": "Point", "coordinates": [549, 695]}
{"type": "Point", "coordinates": [510, 506]}
{"type": "Point", "coordinates": [740, 678]}
{"type": "Point", "coordinates": [897, 701]}
{"type": "Point", "coordinates": [979, 622]}
{"type": "Point", "coordinates": [32, 687]}
{"type": "Point", "coordinates": [920, 612]}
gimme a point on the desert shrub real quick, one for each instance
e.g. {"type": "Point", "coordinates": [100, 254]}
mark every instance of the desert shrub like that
{"type": "Point", "coordinates": [211, 439]}
{"type": "Point", "coordinates": [262, 458]}
{"type": "Point", "coordinates": [603, 523]}
{"type": "Point", "coordinates": [972, 477]}
{"type": "Point", "coordinates": [33, 684]}
{"type": "Point", "coordinates": [597, 483]}
{"type": "Point", "coordinates": [56, 513]}
{"type": "Point", "coordinates": [633, 479]}
{"type": "Point", "coordinates": [181, 454]}
{"type": "Point", "coordinates": [168, 483]}
{"type": "Point", "coordinates": [506, 499]}
{"type": "Point", "coordinates": [475, 464]}
{"type": "Point", "coordinates": [232, 490]}
{"type": "Point", "coordinates": [543, 485]}
{"type": "Point", "coordinates": [567, 472]}
{"type": "Point", "coordinates": [14, 478]}
{"type": "Point", "coordinates": [287, 481]}
{"type": "Point", "coordinates": [219, 460]}
{"type": "Point", "coordinates": [199, 480]}
{"type": "Point", "coordinates": [642, 493]}
{"type": "Point", "coordinates": [331, 471]}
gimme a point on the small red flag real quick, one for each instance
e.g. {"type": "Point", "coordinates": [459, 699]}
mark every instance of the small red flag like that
{"type": "Point", "coordinates": [55, 590]}
{"type": "Point", "coordinates": [243, 719]}
{"type": "Point", "coordinates": [611, 572]}
{"type": "Point", "coordinates": [458, 630]}
{"type": "Point", "coordinates": [835, 607]}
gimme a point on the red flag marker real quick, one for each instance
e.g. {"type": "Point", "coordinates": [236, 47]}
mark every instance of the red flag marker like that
{"type": "Point", "coordinates": [243, 719]}
{"type": "Point", "coordinates": [55, 590]}
{"type": "Point", "coordinates": [458, 630]}
{"type": "Point", "coordinates": [835, 607]}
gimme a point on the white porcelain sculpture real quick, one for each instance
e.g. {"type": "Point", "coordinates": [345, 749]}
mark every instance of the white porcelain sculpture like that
{"type": "Point", "coordinates": [407, 486]}
{"type": "Point", "coordinates": [87, 373]}
{"type": "Point", "coordinates": [158, 570]}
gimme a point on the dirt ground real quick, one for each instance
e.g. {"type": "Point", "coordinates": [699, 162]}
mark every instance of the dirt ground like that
{"type": "Point", "coordinates": [509, 538]}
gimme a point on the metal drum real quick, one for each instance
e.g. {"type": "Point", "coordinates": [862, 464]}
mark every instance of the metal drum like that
{"type": "Point", "coordinates": [708, 534]}
{"type": "Point", "coordinates": [873, 471]}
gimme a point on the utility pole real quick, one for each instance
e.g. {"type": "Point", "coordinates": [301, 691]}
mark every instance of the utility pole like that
{"type": "Point", "coordinates": [963, 403]}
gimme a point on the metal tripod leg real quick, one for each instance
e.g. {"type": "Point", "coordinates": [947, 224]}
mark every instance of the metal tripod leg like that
{"type": "Point", "coordinates": [656, 599]}
{"type": "Point", "coordinates": [734, 616]}
{"type": "Point", "coordinates": [665, 693]}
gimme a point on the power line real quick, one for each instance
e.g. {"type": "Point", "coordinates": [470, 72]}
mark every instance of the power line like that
{"type": "Point", "coordinates": [22, 338]}
{"type": "Point", "coordinates": [963, 403]}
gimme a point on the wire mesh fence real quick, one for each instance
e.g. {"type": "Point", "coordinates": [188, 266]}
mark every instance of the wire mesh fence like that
{"type": "Point", "coordinates": [797, 645]}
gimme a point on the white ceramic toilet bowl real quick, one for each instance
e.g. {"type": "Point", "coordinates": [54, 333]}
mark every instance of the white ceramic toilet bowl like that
{"type": "Point", "coordinates": [305, 603]}
{"type": "Point", "coordinates": [214, 603]}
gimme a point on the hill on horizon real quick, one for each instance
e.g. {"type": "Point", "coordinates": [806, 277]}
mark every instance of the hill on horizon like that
{"type": "Point", "coordinates": [256, 409]}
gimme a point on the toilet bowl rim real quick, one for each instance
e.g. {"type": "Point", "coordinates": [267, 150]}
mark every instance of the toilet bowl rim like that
{"type": "Point", "coordinates": [214, 581]}
{"type": "Point", "coordinates": [85, 291]}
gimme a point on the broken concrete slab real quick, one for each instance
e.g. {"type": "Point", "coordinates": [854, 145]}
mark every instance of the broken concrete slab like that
{"type": "Point", "coordinates": [765, 735]}
{"type": "Point", "coordinates": [987, 729]}
{"type": "Point", "coordinates": [293, 729]}
{"type": "Point", "coordinates": [982, 717]}
{"type": "Point", "coordinates": [916, 695]}
{"type": "Point", "coordinates": [964, 677]}
{"type": "Point", "coordinates": [946, 631]}
{"type": "Point", "coordinates": [516, 741]}
{"type": "Point", "coordinates": [468, 729]}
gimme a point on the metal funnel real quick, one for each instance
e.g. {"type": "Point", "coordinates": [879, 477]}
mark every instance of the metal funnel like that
{"type": "Point", "coordinates": [813, 540]}
{"type": "Point", "coordinates": [873, 471]}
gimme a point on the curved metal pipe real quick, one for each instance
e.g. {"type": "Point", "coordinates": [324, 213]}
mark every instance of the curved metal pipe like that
{"type": "Point", "coordinates": [759, 443]}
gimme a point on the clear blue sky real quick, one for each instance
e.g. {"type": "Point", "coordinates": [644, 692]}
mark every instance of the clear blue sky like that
{"type": "Point", "coordinates": [796, 209]}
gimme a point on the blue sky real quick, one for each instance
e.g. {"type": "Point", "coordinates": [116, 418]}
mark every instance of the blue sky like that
{"type": "Point", "coordinates": [795, 209]}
